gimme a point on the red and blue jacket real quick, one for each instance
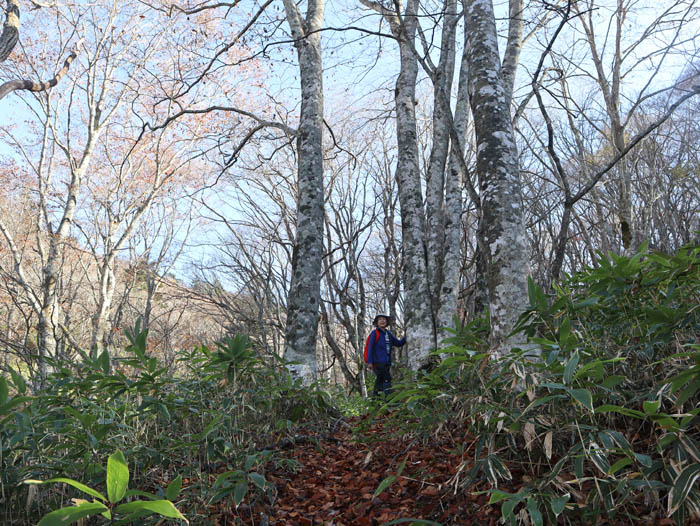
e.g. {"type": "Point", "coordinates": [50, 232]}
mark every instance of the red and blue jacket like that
{"type": "Point", "coordinates": [379, 346]}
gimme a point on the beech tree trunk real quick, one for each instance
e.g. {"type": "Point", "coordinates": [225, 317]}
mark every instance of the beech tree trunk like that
{"type": "Point", "coordinates": [10, 30]}
{"type": "Point", "coordinates": [497, 164]}
{"type": "Point", "coordinates": [418, 313]}
{"type": "Point", "coordinates": [417, 306]}
{"type": "Point", "coordinates": [509, 67]}
{"type": "Point", "coordinates": [436, 177]}
{"type": "Point", "coordinates": [304, 292]}
{"type": "Point", "coordinates": [451, 267]}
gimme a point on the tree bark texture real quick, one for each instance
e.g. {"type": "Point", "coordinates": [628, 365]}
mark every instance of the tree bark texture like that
{"type": "Point", "coordinates": [436, 180]}
{"type": "Point", "coordinates": [497, 164]}
{"type": "Point", "coordinates": [515, 44]}
{"type": "Point", "coordinates": [418, 312]}
{"type": "Point", "coordinates": [417, 306]}
{"type": "Point", "coordinates": [10, 30]}
{"type": "Point", "coordinates": [509, 67]}
{"type": "Point", "coordinates": [304, 292]}
{"type": "Point", "coordinates": [29, 85]}
{"type": "Point", "coordinates": [451, 268]}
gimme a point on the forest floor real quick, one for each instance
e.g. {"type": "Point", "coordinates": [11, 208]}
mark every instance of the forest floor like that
{"type": "Point", "coordinates": [338, 475]}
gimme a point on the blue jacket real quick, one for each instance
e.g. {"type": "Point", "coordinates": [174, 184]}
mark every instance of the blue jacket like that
{"type": "Point", "coordinates": [380, 351]}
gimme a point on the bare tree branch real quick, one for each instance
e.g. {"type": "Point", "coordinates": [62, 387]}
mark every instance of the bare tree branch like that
{"type": "Point", "coordinates": [29, 85]}
{"type": "Point", "coordinates": [695, 90]}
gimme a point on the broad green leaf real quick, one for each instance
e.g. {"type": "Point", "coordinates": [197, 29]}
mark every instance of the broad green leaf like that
{"type": "Point", "coordinates": [553, 385]}
{"type": "Point", "coordinates": [682, 486]}
{"type": "Point", "coordinates": [689, 391]}
{"type": "Point", "coordinates": [617, 466]}
{"type": "Point", "coordinates": [620, 439]}
{"type": "Point", "coordinates": [164, 508]}
{"type": "Point", "coordinates": [258, 479]}
{"type": "Point", "coordinates": [104, 360]}
{"type": "Point", "coordinates": [507, 508]}
{"type": "Point", "coordinates": [651, 408]}
{"type": "Point", "coordinates": [593, 370]}
{"type": "Point", "coordinates": [570, 368]}
{"type": "Point", "coordinates": [18, 380]}
{"type": "Point", "coordinates": [592, 300]}
{"type": "Point", "coordinates": [225, 476]}
{"type": "Point", "coordinates": [239, 491]}
{"type": "Point", "coordinates": [644, 460]}
{"type": "Point", "coordinates": [690, 446]}
{"type": "Point", "coordinates": [497, 496]}
{"type": "Point", "coordinates": [402, 466]}
{"type": "Point", "coordinates": [565, 334]}
{"type": "Point", "coordinates": [173, 489]}
{"type": "Point", "coordinates": [612, 381]}
{"type": "Point", "coordinates": [383, 485]}
{"type": "Point", "coordinates": [4, 391]}
{"type": "Point", "coordinates": [535, 514]}
{"type": "Point", "coordinates": [559, 503]}
{"type": "Point", "coordinates": [598, 457]}
{"type": "Point", "coordinates": [70, 482]}
{"type": "Point", "coordinates": [665, 421]}
{"type": "Point", "coordinates": [72, 514]}
{"type": "Point", "coordinates": [583, 396]}
{"type": "Point", "coordinates": [117, 476]}
{"type": "Point", "coordinates": [250, 461]}
{"type": "Point", "coordinates": [606, 439]}
{"type": "Point", "coordinates": [618, 409]}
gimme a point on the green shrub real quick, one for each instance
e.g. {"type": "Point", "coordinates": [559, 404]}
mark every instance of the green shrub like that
{"type": "Point", "coordinates": [597, 415]}
{"type": "Point", "coordinates": [218, 409]}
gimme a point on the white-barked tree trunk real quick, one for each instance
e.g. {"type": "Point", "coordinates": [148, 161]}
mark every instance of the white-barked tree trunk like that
{"type": "Point", "coordinates": [304, 292]}
{"type": "Point", "coordinates": [497, 164]}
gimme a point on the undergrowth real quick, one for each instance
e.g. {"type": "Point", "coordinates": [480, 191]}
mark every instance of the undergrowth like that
{"type": "Point", "coordinates": [211, 421]}
{"type": "Point", "coordinates": [595, 418]}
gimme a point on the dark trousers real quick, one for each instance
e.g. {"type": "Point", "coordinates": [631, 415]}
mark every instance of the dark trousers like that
{"type": "Point", "coordinates": [383, 381]}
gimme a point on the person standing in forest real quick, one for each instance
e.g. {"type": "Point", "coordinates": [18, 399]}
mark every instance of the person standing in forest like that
{"type": "Point", "coordinates": [379, 344]}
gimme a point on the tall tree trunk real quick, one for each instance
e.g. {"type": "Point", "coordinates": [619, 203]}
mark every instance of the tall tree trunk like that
{"type": "Point", "coordinates": [304, 291]}
{"type": "Point", "coordinates": [509, 67]}
{"type": "Point", "coordinates": [48, 315]}
{"type": "Point", "coordinates": [436, 178]}
{"type": "Point", "coordinates": [497, 164]}
{"type": "Point", "coordinates": [100, 321]}
{"type": "Point", "coordinates": [449, 291]}
{"type": "Point", "coordinates": [511, 58]}
{"type": "Point", "coordinates": [417, 306]}
{"type": "Point", "coordinates": [418, 314]}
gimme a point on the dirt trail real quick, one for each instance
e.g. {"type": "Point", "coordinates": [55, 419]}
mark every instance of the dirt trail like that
{"type": "Point", "coordinates": [337, 478]}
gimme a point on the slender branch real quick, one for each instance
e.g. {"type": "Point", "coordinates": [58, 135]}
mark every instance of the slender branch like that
{"type": "Point", "coordinates": [548, 121]}
{"type": "Point", "coordinates": [14, 85]}
{"type": "Point", "coordinates": [201, 8]}
{"type": "Point", "coordinates": [224, 49]}
{"type": "Point", "coordinates": [270, 124]}
{"type": "Point", "coordinates": [695, 90]}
